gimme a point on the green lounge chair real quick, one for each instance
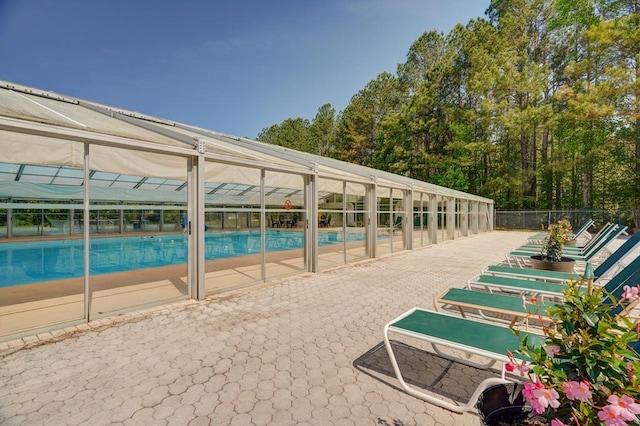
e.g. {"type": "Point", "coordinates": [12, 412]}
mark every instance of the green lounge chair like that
{"type": "Point", "coordinates": [543, 289]}
{"type": "Point", "coordinates": [606, 266]}
{"type": "Point", "coordinates": [514, 308]}
{"type": "Point", "coordinates": [576, 250]}
{"type": "Point", "coordinates": [529, 273]}
{"type": "Point", "coordinates": [585, 226]}
{"type": "Point", "coordinates": [487, 340]}
{"type": "Point", "coordinates": [520, 257]}
{"type": "Point", "coordinates": [490, 341]}
{"type": "Point", "coordinates": [501, 305]}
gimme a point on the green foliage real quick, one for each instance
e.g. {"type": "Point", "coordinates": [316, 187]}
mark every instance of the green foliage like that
{"type": "Point", "coordinates": [553, 245]}
{"type": "Point", "coordinates": [537, 106]}
{"type": "Point", "coordinates": [588, 345]}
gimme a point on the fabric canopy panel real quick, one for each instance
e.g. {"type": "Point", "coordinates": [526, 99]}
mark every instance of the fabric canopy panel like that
{"type": "Point", "coordinates": [20, 148]}
{"type": "Point", "coordinates": [35, 191]}
{"type": "Point", "coordinates": [137, 163]}
{"type": "Point", "coordinates": [72, 115]}
{"type": "Point", "coordinates": [216, 145]}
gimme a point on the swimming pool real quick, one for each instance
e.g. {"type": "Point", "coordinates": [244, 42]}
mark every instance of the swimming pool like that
{"type": "Point", "coordinates": [30, 262]}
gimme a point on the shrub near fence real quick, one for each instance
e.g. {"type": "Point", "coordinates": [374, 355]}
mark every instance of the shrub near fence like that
{"type": "Point", "coordinates": [540, 219]}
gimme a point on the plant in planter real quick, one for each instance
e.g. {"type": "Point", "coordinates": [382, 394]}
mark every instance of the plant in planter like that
{"type": "Point", "coordinates": [588, 370]}
{"type": "Point", "coordinates": [550, 256]}
{"type": "Point", "coordinates": [567, 232]}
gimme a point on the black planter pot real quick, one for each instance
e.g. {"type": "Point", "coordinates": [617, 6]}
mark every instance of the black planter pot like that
{"type": "Point", "coordinates": [566, 264]}
{"type": "Point", "coordinates": [502, 404]}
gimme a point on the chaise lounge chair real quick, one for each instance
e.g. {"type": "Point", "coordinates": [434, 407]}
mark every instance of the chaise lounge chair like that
{"type": "Point", "coordinates": [607, 265]}
{"type": "Point", "coordinates": [520, 257]}
{"type": "Point", "coordinates": [489, 341]}
{"type": "Point", "coordinates": [604, 233]}
{"type": "Point", "coordinates": [514, 307]}
{"type": "Point", "coordinates": [584, 228]}
{"type": "Point", "coordinates": [541, 289]}
{"type": "Point", "coordinates": [443, 330]}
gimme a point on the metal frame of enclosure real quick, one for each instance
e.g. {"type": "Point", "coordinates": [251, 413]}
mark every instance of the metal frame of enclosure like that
{"type": "Point", "coordinates": [199, 212]}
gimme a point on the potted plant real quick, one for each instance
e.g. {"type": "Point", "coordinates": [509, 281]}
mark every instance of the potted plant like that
{"type": "Point", "coordinates": [550, 257]}
{"type": "Point", "coordinates": [567, 232]}
{"type": "Point", "coordinates": [587, 372]}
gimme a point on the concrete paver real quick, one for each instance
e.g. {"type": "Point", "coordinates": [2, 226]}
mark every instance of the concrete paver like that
{"type": "Point", "coordinates": [306, 350]}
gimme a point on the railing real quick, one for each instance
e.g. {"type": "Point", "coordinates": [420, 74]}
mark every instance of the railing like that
{"type": "Point", "coordinates": [541, 219]}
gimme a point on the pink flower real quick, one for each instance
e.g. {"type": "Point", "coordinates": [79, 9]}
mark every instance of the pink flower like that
{"type": "Point", "coordinates": [626, 405]}
{"type": "Point", "coordinates": [611, 416]}
{"type": "Point", "coordinates": [630, 293]}
{"type": "Point", "coordinates": [529, 387]}
{"type": "Point", "coordinates": [521, 368]}
{"type": "Point", "coordinates": [552, 350]}
{"type": "Point", "coordinates": [579, 391]}
{"type": "Point", "coordinates": [512, 365]}
{"type": "Point", "coordinates": [556, 422]}
{"type": "Point", "coordinates": [543, 398]}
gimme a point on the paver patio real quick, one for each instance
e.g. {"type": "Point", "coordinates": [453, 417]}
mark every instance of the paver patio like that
{"type": "Point", "coordinates": [303, 351]}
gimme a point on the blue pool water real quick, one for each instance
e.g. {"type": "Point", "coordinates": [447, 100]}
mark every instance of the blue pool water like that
{"type": "Point", "coordinates": [29, 262]}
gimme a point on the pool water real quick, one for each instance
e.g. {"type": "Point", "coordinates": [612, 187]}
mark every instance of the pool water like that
{"type": "Point", "coordinates": [30, 262]}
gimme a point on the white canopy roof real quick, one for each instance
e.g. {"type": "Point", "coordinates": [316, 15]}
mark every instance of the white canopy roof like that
{"type": "Point", "coordinates": [135, 156]}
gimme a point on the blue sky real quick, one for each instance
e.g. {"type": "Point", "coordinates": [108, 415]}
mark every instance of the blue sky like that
{"type": "Point", "coordinates": [234, 66]}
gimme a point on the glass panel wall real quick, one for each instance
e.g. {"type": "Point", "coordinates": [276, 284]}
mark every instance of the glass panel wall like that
{"type": "Point", "coordinates": [42, 258]}
{"type": "Point", "coordinates": [458, 218]}
{"type": "Point", "coordinates": [233, 241]}
{"type": "Point", "coordinates": [385, 221]}
{"type": "Point", "coordinates": [399, 221]}
{"type": "Point", "coordinates": [341, 223]}
{"type": "Point", "coordinates": [331, 223]}
{"type": "Point", "coordinates": [473, 217]}
{"type": "Point", "coordinates": [430, 219]}
{"type": "Point", "coordinates": [483, 217]}
{"type": "Point", "coordinates": [443, 218]}
{"type": "Point", "coordinates": [354, 222]}
{"type": "Point", "coordinates": [286, 217]}
{"type": "Point", "coordinates": [419, 220]}
{"type": "Point", "coordinates": [42, 274]}
{"type": "Point", "coordinates": [148, 264]}
{"type": "Point", "coordinates": [464, 218]}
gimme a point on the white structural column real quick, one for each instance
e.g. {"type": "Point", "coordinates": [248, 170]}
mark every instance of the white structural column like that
{"type": "Point", "coordinates": [195, 224]}
{"type": "Point", "coordinates": [407, 202]}
{"type": "Point", "coordinates": [311, 221]}
{"type": "Point", "coordinates": [475, 215]}
{"type": "Point", "coordinates": [263, 226]}
{"type": "Point", "coordinates": [85, 233]}
{"type": "Point", "coordinates": [464, 217]}
{"type": "Point", "coordinates": [433, 218]}
{"type": "Point", "coordinates": [451, 218]}
{"type": "Point", "coordinates": [491, 217]}
{"type": "Point", "coordinates": [371, 218]}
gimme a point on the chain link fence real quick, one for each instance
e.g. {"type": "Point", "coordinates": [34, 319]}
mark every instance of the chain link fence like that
{"type": "Point", "coordinates": [541, 219]}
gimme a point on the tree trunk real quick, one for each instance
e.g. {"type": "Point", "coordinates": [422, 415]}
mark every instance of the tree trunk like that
{"type": "Point", "coordinates": [586, 184]}
{"type": "Point", "coordinates": [548, 173]}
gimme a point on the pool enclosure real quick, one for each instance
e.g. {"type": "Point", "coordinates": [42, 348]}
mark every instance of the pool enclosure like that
{"type": "Point", "coordinates": [104, 211]}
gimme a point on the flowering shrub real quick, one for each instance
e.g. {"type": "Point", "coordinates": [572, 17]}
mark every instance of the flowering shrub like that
{"type": "Point", "coordinates": [566, 229]}
{"type": "Point", "coordinates": [554, 242]}
{"type": "Point", "coordinates": [586, 373]}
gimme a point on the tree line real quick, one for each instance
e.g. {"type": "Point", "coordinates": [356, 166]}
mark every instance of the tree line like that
{"type": "Point", "coordinates": [534, 105]}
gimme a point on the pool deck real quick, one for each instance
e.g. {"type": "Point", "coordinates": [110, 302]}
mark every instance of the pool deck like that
{"type": "Point", "coordinates": [302, 351]}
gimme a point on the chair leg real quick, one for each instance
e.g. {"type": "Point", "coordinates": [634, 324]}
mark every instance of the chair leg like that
{"type": "Point", "coordinates": [470, 405]}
